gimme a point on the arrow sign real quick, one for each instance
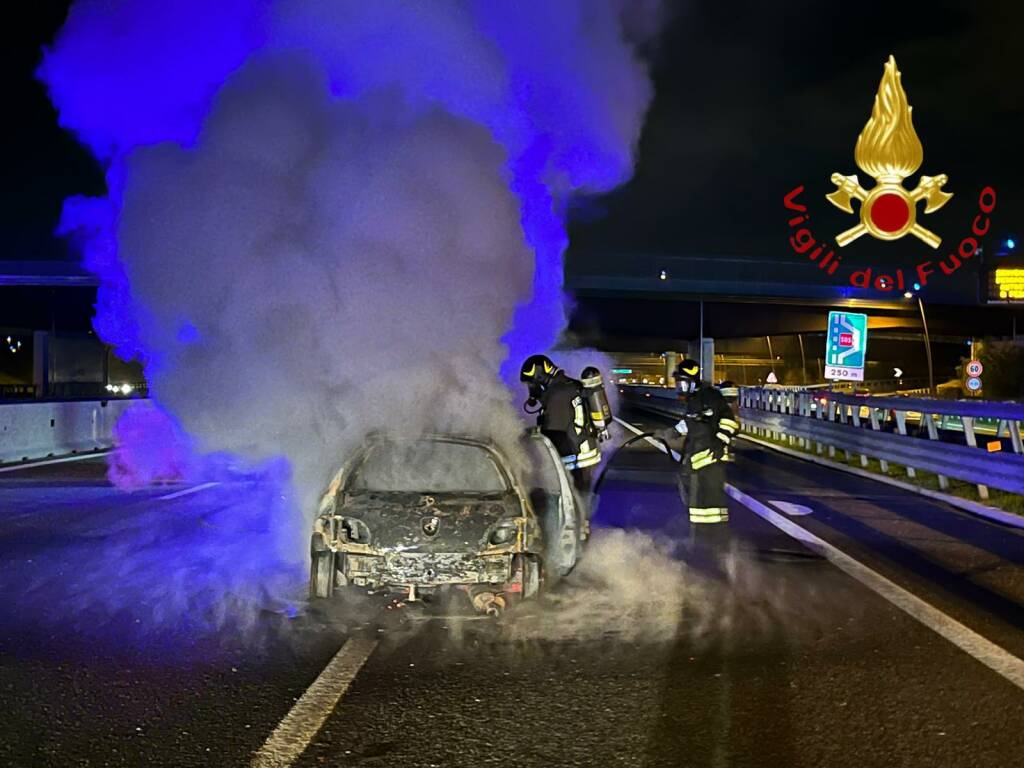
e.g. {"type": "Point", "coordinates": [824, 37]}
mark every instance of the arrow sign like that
{"type": "Point", "coordinates": [897, 372]}
{"type": "Point", "coordinates": [790, 508]}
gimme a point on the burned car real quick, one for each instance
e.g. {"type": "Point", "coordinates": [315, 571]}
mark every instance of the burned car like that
{"type": "Point", "coordinates": [420, 515]}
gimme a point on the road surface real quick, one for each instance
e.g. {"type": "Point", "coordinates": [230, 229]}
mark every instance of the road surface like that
{"type": "Point", "coordinates": [653, 653]}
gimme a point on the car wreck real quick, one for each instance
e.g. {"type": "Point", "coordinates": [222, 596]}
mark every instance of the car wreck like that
{"type": "Point", "coordinates": [416, 516]}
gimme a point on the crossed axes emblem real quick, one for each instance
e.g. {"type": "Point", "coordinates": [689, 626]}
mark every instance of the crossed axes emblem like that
{"type": "Point", "coordinates": [896, 202]}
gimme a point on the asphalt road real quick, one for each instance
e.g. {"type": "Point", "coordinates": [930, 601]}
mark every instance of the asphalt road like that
{"type": "Point", "coordinates": [116, 648]}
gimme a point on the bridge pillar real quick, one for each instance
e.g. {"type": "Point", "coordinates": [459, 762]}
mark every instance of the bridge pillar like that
{"type": "Point", "coordinates": [707, 359]}
{"type": "Point", "coordinates": [41, 362]}
{"type": "Point", "coordinates": [671, 358]}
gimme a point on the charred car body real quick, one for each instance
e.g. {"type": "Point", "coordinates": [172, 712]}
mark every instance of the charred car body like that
{"type": "Point", "coordinates": [439, 512]}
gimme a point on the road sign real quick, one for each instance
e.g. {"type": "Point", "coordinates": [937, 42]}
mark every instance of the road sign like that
{"type": "Point", "coordinates": [772, 378]}
{"type": "Point", "coordinates": [897, 373]}
{"type": "Point", "coordinates": [974, 384]}
{"type": "Point", "coordinates": [975, 368]}
{"type": "Point", "coordinates": [846, 346]}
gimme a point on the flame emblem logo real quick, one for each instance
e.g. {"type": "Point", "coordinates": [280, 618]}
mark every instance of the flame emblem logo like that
{"type": "Point", "coordinates": [888, 150]}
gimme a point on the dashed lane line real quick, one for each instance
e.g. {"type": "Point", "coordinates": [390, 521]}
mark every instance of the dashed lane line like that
{"type": "Point", "coordinates": [187, 491]}
{"type": "Point", "coordinates": [994, 657]}
{"type": "Point", "coordinates": [298, 728]}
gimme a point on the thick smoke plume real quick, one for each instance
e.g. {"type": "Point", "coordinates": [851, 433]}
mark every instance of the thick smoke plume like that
{"type": "Point", "coordinates": [328, 217]}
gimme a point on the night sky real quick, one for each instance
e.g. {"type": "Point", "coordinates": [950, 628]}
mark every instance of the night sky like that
{"type": "Point", "coordinates": [751, 100]}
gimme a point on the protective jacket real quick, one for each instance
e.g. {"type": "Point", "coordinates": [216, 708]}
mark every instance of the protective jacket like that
{"type": "Point", "coordinates": [709, 428]}
{"type": "Point", "coordinates": [563, 420]}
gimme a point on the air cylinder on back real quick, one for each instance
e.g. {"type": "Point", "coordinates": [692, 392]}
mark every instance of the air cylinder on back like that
{"type": "Point", "coordinates": [598, 409]}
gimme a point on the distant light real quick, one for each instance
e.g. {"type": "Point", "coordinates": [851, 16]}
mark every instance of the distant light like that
{"type": "Point", "coordinates": [126, 388]}
{"type": "Point", "coordinates": [664, 275]}
{"type": "Point", "coordinates": [917, 286]}
{"type": "Point", "coordinates": [1011, 243]}
{"type": "Point", "coordinates": [908, 295]}
{"type": "Point", "coordinates": [970, 342]}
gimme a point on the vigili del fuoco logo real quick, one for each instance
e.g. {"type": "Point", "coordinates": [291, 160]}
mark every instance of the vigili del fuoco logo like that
{"type": "Point", "coordinates": [889, 151]}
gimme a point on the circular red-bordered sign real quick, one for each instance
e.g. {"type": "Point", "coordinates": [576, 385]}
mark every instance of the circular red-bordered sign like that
{"type": "Point", "coordinates": [975, 368]}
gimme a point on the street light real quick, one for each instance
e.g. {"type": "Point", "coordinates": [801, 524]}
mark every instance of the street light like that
{"type": "Point", "coordinates": [927, 341]}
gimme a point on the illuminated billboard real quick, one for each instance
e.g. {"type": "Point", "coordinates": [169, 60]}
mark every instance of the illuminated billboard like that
{"type": "Point", "coordinates": [1006, 283]}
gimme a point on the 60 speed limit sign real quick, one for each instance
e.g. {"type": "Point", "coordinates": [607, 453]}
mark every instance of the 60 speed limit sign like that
{"type": "Point", "coordinates": [975, 368]}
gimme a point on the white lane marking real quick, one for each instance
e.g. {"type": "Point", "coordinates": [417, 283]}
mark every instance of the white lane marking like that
{"type": "Point", "coordinates": [77, 457]}
{"type": "Point", "coordinates": [187, 491]}
{"type": "Point", "coordinates": [294, 733]}
{"type": "Point", "coordinates": [790, 508]}
{"type": "Point", "coordinates": [649, 439]}
{"type": "Point", "coordinates": [988, 653]}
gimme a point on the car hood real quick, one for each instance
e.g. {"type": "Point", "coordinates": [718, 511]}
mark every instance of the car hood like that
{"type": "Point", "coordinates": [400, 521]}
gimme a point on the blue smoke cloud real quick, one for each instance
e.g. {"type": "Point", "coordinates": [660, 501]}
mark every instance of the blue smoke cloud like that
{"type": "Point", "coordinates": [321, 215]}
{"type": "Point", "coordinates": [559, 85]}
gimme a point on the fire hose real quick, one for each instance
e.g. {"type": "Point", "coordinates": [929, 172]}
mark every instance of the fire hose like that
{"type": "Point", "coordinates": [615, 454]}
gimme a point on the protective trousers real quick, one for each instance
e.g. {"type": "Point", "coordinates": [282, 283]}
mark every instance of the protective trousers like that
{"type": "Point", "coordinates": [706, 495]}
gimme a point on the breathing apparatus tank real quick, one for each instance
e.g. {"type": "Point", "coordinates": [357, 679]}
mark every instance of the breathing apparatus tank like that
{"type": "Point", "coordinates": [598, 409]}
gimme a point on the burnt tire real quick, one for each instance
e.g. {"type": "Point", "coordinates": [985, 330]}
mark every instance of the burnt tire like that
{"type": "Point", "coordinates": [531, 571]}
{"type": "Point", "coordinates": [322, 567]}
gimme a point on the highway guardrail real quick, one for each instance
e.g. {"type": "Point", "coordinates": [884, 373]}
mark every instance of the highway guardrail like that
{"type": "Point", "coordinates": [876, 428]}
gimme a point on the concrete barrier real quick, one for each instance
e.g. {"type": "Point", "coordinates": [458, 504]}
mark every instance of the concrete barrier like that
{"type": "Point", "coordinates": [39, 430]}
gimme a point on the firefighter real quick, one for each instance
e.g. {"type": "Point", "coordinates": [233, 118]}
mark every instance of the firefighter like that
{"type": "Point", "coordinates": [709, 428]}
{"type": "Point", "coordinates": [562, 417]}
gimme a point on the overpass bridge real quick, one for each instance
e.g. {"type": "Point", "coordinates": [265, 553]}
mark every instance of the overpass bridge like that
{"type": "Point", "coordinates": [770, 315]}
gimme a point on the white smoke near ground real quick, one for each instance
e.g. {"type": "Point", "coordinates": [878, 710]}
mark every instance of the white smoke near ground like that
{"type": "Point", "coordinates": [636, 587]}
{"type": "Point", "coordinates": [628, 585]}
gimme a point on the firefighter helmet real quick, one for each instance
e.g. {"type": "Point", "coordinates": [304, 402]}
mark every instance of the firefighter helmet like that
{"type": "Point", "coordinates": [687, 370]}
{"type": "Point", "coordinates": [537, 369]}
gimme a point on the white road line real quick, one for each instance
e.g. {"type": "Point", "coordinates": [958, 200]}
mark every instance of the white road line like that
{"type": "Point", "coordinates": [187, 491]}
{"type": "Point", "coordinates": [298, 728]}
{"type": "Point", "coordinates": [988, 653]}
{"type": "Point", "coordinates": [76, 457]}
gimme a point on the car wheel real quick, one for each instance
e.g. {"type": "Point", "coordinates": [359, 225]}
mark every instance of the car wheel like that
{"type": "Point", "coordinates": [321, 569]}
{"type": "Point", "coordinates": [528, 570]}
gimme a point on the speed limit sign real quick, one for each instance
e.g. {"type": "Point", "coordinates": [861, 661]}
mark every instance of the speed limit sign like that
{"type": "Point", "coordinates": [975, 368]}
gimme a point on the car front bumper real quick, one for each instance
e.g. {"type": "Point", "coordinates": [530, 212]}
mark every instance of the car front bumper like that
{"type": "Point", "coordinates": [426, 569]}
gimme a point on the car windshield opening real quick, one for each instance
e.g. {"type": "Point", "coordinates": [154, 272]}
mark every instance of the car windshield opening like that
{"type": "Point", "coordinates": [427, 466]}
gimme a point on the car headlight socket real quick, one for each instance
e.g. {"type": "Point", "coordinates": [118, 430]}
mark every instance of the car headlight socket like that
{"type": "Point", "coordinates": [355, 531]}
{"type": "Point", "coordinates": [503, 533]}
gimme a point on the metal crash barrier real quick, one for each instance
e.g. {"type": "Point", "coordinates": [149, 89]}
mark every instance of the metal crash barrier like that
{"type": "Point", "coordinates": [974, 441]}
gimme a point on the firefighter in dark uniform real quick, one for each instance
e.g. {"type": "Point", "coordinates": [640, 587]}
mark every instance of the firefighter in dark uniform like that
{"type": "Point", "coordinates": [562, 417]}
{"type": "Point", "coordinates": [709, 428]}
